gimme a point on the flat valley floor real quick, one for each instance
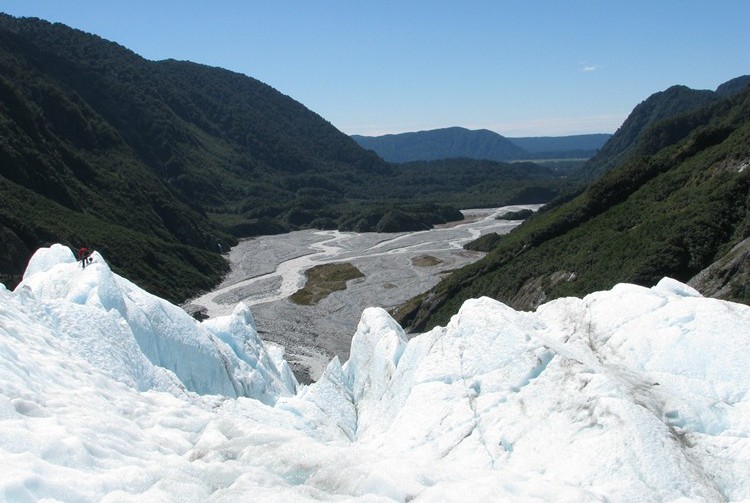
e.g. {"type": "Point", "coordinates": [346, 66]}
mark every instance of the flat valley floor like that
{"type": "Point", "coordinates": [266, 270]}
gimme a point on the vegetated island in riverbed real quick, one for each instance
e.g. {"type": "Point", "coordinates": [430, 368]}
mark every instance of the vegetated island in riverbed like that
{"type": "Point", "coordinates": [425, 261]}
{"type": "Point", "coordinates": [323, 280]}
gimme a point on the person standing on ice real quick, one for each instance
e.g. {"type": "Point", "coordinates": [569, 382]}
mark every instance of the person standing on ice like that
{"type": "Point", "coordinates": [83, 256]}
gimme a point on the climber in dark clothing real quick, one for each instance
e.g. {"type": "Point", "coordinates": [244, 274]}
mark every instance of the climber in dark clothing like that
{"type": "Point", "coordinates": [83, 256]}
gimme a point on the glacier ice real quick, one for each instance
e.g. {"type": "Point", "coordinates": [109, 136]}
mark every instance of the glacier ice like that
{"type": "Point", "coordinates": [223, 356]}
{"type": "Point", "coordinates": [108, 393]}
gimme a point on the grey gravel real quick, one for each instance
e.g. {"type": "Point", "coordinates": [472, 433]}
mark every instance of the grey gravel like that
{"type": "Point", "coordinates": [267, 269]}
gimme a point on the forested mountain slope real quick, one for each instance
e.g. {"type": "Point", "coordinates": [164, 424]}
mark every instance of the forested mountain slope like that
{"type": "Point", "coordinates": [677, 204]}
{"type": "Point", "coordinates": [667, 104]}
{"type": "Point", "coordinates": [133, 157]}
{"type": "Point", "coordinates": [66, 172]}
{"type": "Point", "coordinates": [158, 163]}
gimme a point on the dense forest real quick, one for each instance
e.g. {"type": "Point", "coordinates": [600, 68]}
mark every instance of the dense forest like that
{"type": "Point", "coordinates": [674, 200]}
{"type": "Point", "coordinates": [161, 164]}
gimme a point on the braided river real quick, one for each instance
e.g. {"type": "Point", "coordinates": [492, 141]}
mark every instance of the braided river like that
{"type": "Point", "coordinates": [266, 270]}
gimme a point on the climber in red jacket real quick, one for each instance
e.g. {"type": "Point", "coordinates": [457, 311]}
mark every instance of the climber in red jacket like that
{"type": "Point", "coordinates": [84, 256]}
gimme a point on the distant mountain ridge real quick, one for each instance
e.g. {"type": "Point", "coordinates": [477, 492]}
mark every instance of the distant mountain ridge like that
{"type": "Point", "coordinates": [447, 143]}
{"type": "Point", "coordinates": [458, 142]}
{"type": "Point", "coordinates": [583, 143]}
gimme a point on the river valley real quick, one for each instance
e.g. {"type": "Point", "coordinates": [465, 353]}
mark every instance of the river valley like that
{"type": "Point", "coordinates": [266, 270]}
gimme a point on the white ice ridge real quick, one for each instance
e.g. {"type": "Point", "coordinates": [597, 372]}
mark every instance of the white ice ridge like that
{"type": "Point", "coordinates": [147, 342]}
{"type": "Point", "coordinates": [632, 394]}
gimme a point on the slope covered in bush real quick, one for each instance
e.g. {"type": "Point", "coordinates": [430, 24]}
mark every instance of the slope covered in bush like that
{"type": "Point", "coordinates": [679, 202]}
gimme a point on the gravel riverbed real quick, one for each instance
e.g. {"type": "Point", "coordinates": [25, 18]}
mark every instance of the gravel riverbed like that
{"type": "Point", "coordinates": [266, 270]}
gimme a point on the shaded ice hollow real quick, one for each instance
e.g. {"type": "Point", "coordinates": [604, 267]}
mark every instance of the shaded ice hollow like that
{"type": "Point", "coordinates": [108, 393]}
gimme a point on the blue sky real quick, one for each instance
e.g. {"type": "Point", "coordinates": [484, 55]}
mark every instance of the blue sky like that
{"type": "Point", "coordinates": [520, 68]}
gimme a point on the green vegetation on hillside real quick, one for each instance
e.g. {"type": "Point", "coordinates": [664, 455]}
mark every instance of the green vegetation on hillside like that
{"type": "Point", "coordinates": [161, 164]}
{"type": "Point", "coordinates": [515, 215]}
{"type": "Point", "coordinates": [679, 202]}
{"type": "Point", "coordinates": [665, 105]}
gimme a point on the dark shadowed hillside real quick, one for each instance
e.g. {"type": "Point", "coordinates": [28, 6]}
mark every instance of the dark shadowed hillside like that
{"type": "Point", "coordinates": [153, 163]}
{"type": "Point", "coordinates": [160, 164]}
{"type": "Point", "coordinates": [734, 86]}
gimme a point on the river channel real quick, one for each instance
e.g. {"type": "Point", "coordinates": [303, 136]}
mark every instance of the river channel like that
{"type": "Point", "coordinates": [266, 270]}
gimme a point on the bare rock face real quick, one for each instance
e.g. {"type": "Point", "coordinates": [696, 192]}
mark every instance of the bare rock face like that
{"type": "Point", "coordinates": [729, 277]}
{"type": "Point", "coordinates": [534, 292]}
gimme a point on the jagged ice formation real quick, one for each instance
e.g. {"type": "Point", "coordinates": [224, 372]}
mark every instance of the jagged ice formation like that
{"type": "Point", "coordinates": [108, 393]}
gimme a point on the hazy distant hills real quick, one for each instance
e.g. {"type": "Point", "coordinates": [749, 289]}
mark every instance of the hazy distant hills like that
{"type": "Point", "coordinates": [673, 200]}
{"type": "Point", "coordinates": [457, 142]}
{"type": "Point", "coordinates": [445, 143]}
{"type": "Point", "coordinates": [582, 145]}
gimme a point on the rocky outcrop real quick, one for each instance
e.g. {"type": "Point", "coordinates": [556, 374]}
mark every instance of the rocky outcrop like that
{"type": "Point", "coordinates": [729, 277]}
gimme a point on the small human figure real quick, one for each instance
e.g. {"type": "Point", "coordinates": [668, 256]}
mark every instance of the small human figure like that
{"type": "Point", "coordinates": [83, 256]}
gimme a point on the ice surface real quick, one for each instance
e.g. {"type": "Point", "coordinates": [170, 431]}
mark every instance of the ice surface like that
{"type": "Point", "coordinates": [111, 320]}
{"type": "Point", "coordinates": [108, 393]}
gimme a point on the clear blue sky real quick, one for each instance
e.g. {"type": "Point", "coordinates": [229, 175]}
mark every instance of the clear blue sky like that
{"type": "Point", "coordinates": [520, 68]}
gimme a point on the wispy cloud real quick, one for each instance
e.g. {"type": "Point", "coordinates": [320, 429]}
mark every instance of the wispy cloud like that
{"type": "Point", "coordinates": [588, 67]}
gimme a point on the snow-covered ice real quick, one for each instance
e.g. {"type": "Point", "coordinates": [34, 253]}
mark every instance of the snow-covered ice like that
{"type": "Point", "coordinates": [108, 393]}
